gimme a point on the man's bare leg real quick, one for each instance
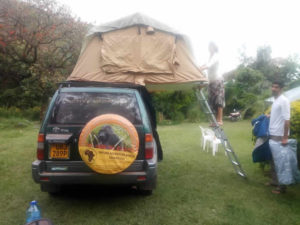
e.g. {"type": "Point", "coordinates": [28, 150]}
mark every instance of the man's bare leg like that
{"type": "Point", "coordinates": [220, 116]}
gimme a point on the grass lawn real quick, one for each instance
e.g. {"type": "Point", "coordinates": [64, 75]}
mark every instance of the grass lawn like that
{"type": "Point", "coordinates": [193, 186]}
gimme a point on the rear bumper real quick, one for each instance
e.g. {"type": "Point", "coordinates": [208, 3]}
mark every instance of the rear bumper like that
{"type": "Point", "coordinates": [76, 172]}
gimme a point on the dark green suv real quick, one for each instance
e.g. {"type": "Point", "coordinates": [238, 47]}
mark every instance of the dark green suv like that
{"type": "Point", "coordinates": [59, 161]}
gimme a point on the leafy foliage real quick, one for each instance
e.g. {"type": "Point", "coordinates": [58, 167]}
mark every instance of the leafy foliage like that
{"type": "Point", "coordinates": [39, 45]}
{"type": "Point", "coordinates": [33, 113]}
{"type": "Point", "coordinates": [250, 83]}
{"type": "Point", "coordinates": [177, 106]}
{"type": "Point", "coordinates": [295, 120]}
{"type": "Point", "coordinates": [173, 105]}
{"type": "Point", "coordinates": [285, 69]}
{"type": "Point", "coordinates": [295, 125]}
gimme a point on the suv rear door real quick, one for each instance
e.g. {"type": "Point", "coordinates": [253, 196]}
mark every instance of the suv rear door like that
{"type": "Point", "coordinates": [73, 107]}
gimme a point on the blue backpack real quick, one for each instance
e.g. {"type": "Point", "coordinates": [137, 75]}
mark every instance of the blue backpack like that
{"type": "Point", "coordinates": [260, 126]}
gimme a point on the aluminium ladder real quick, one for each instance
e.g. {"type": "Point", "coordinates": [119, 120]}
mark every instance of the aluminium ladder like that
{"type": "Point", "coordinates": [220, 134]}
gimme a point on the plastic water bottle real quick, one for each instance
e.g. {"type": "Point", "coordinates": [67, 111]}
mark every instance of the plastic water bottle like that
{"type": "Point", "coordinates": [33, 212]}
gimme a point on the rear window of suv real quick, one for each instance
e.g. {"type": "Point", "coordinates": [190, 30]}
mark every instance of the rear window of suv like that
{"type": "Point", "coordinates": [79, 108]}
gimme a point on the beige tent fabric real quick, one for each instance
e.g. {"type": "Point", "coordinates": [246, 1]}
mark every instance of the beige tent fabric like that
{"type": "Point", "coordinates": [133, 50]}
{"type": "Point", "coordinates": [88, 68]}
{"type": "Point", "coordinates": [123, 52]}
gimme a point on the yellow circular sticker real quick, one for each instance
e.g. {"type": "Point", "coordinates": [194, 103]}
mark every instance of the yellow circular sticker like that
{"type": "Point", "coordinates": [109, 144]}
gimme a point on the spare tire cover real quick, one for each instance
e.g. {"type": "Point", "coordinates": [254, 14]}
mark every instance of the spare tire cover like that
{"type": "Point", "coordinates": [108, 144]}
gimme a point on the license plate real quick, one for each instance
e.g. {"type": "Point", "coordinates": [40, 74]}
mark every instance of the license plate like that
{"type": "Point", "coordinates": [59, 151]}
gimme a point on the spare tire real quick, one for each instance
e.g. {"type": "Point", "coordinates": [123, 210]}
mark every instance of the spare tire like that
{"type": "Point", "coordinates": [108, 144]}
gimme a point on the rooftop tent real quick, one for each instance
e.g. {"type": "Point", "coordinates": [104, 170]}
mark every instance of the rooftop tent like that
{"type": "Point", "coordinates": [137, 50]}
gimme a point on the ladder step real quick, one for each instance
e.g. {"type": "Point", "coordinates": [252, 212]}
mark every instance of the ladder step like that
{"type": "Point", "coordinates": [228, 150]}
{"type": "Point", "coordinates": [235, 163]}
{"type": "Point", "coordinates": [209, 113]}
{"type": "Point", "coordinates": [241, 174]}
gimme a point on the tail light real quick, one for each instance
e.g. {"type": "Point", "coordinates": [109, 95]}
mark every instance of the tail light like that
{"type": "Point", "coordinates": [40, 147]}
{"type": "Point", "coordinates": [149, 146]}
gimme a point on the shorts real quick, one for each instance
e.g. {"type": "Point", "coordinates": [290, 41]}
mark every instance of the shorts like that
{"type": "Point", "coordinates": [216, 94]}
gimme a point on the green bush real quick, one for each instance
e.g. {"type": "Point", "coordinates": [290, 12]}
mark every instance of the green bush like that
{"type": "Point", "coordinates": [10, 112]}
{"type": "Point", "coordinates": [173, 105]}
{"type": "Point", "coordinates": [195, 114]}
{"type": "Point", "coordinates": [177, 116]}
{"type": "Point", "coordinates": [295, 125]}
{"type": "Point", "coordinates": [14, 112]}
{"type": "Point", "coordinates": [32, 113]}
{"type": "Point", "coordinates": [295, 120]}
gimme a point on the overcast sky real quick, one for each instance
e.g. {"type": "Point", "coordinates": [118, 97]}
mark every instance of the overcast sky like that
{"type": "Point", "coordinates": [232, 24]}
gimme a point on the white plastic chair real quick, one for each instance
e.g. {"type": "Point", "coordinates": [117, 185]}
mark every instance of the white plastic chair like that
{"type": "Point", "coordinates": [215, 144]}
{"type": "Point", "coordinates": [214, 141]}
{"type": "Point", "coordinates": [209, 139]}
{"type": "Point", "coordinates": [206, 138]}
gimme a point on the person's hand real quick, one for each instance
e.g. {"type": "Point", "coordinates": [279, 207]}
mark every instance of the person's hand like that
{"type": "Point", "coordinates": [284, 141]}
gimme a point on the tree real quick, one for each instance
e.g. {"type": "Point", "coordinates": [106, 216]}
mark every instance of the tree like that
{"type": "Point", "coordinates": [250, 83]}
{"type": "Point", "coordinates": [285, 69]}
{"type": "Point", "coordinates": [248, 79]}
{"type": "Point", "coordinates": [244, 59]}
{"type": "Point", "coordinates": [39, 45]}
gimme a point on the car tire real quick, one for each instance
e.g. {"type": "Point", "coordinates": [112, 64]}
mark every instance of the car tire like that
{"type": "Point", "coordinates": [148, 187]}
{"type": "Point", "coordinates": [145, 192]}
{"type": "Point", "coordinates": [52, 189]}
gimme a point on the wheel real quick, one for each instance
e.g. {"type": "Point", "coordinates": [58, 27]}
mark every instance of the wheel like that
{"type": "Point", "coordinates": [108, 144]}
{"type": "Point", "coordinates": [148, 187]}
{"type": "Point", "coordinates": [52, 189]}
{"type": "Point", "coordinates": [145, 192]}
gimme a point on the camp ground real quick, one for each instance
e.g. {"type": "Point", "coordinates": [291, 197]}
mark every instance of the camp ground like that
{"type": "Point", "coordinates": [117, 61]}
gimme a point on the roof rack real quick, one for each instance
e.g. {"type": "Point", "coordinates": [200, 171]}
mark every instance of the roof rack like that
{"type": "Point", "coordinates": [151, 88]}
{"type": "Point", "coordinates": [97, 84]}
{"type": "Point", "coordinates": [67, 84]}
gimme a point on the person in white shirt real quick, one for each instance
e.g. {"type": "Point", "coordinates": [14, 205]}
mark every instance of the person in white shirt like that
{"type": "Point", "coordinates": [278, 128]}
{"type": "Point", "coordinates": [216, 93]}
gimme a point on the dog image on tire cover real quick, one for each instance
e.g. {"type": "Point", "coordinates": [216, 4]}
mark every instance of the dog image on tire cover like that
{"type": "Point", "coordinates": [107, 137]}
